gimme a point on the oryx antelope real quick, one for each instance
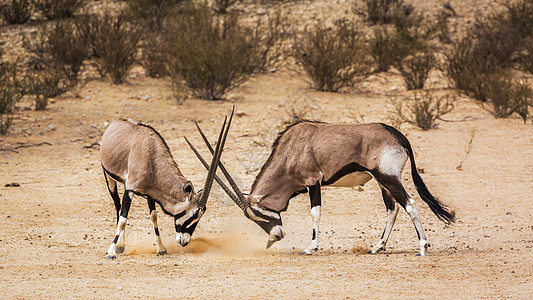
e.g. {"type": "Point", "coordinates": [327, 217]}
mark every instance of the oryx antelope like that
{"type": "Point", "coordinates": [136, 155]}
{"type": "Point", "coordinates": [308, 155]}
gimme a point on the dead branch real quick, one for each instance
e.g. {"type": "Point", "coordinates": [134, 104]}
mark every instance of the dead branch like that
{"type": "Point", "coordinates": [91, 145]}
{"type": "Point", "coordinates": [12, 149]}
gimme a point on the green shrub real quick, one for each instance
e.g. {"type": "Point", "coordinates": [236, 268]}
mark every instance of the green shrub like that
{"type": "Point", "coordinates": [422, 109]}
{"type": "Point", "coordinates": [58, 9]}
{"type": "Point", "coordinates": [16, 11]}
{"type": "Point", "coordinates": [333, 58]}
{"type": "Point", "coordinates": [211, 54]}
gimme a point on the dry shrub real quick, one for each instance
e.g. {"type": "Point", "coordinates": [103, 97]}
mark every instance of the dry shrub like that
{"type": "Point", "coordinates": [380, 11]}
{"type": "Point", "coordinates": [58, 9]}
{"type": "Point", "coordinates": [413, 52]}
{"type": "Point", "coordinates": [67, 48]}
{"type": "Point", "coordinates": [442, 25]}
{"type": "Point", "coordinates": [467, 70]}
{"type": "Point", "coordinates": [270, 35]}
{"type": "Point", "coordinates": [422, 109]}
{"type": "Point", "coordinates": [333, 58]}
{"type": "Point", "coordinates": [45, 84]}
{"type": "Point", "coordinates": [526, 57]}
{"type": "Point", "coordinates": [508, 95]}
{"type": "Point", "coordinates": [153, 12]}
{"type": "Point", "coordinates": [11, 91]}
{"type": "Point", "coordinates": [382, 45]}
{"type": "Point", "coordinates": [16, 11]}
{"type": "Point", "coordinates": [491, 47]}
{"type": "Point", "coordinates": [211, 54]}
{"type": "Point", "coordinates": [155, 56]}
{"type": "Point", "coordinates": [113, 42]}
{"type": "Point", "coordinates": [59, 50]}
{"type": "Point", "coordinates": [415, 69]}
{"type": "Point", "coordinates": [221, 6]}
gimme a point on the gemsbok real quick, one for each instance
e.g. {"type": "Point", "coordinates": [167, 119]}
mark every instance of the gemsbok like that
{"type": "Point", "coordinates": [308, 155]}
{"type": "Point", "coordinates": [136, 155]}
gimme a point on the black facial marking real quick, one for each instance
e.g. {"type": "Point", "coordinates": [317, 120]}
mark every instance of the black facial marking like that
{"type": "Point", "coordinates": [349, 168]}
{"type": "Point", "coordinates": [181, 214]}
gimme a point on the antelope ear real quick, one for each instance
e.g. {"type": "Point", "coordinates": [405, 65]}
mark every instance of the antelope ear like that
{"type": "Point", "coordinates": [188, 188]}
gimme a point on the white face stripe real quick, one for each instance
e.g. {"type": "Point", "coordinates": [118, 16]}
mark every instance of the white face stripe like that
{"type": "Point", "coordinates": [392, 161]}
{"type": "Point", "coordinates": [253, 216]}
{"type": "Point", "coordinates": [266, 212]}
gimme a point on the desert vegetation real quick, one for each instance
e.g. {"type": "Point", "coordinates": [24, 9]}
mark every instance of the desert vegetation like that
{"type": "Point", "coordinates": [205, 49]}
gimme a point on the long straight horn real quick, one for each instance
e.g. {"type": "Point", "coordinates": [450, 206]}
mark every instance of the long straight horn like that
{"type": "Point", "coordinates": [214, 162]}
{"type": "Point", "coordinates": [219, 181]}
{"type": "Point", "coordinates": [242, 203]}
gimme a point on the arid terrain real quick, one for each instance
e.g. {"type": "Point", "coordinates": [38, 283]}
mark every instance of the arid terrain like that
{"type": "Point", "coordinates": [58, 220]}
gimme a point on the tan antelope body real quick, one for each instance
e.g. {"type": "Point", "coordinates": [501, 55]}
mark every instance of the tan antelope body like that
{"type": "Point", "coordinates": [136, 155]}
{"type": "Point", "coordinates": [309, 155]}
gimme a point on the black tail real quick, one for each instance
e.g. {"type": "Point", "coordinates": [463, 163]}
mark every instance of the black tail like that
{"type": "Point", "coordinates": [439, 209]}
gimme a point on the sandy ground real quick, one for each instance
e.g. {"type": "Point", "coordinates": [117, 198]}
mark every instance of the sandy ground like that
{"type": "Point", "coordinates": [57, 225]}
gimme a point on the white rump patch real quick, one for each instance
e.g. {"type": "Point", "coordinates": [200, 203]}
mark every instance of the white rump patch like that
{"type": "Point", "coordinates": [392, 161]}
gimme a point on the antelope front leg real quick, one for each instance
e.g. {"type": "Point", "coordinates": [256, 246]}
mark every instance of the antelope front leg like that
{"type": "Point", "coordinates": [314, 194]}
{"type": "Point", "coordinates": [153, 217]}
{"type": "Point", "coordinates": [121, 226]}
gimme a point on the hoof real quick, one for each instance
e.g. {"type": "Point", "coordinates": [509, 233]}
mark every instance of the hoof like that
{"type": "Point", "coordinates": [305, 253]}
{"type": "Point", "coordinates": [120, 249]}
{"type": "Point", "coordinates": [164, 252]}
{"type": "Point", "coordinates": [420, 254]}
{"type": "Point", "coordinates": [110, 256]}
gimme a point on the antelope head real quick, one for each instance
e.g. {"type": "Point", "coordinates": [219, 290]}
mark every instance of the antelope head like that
{"type": "Point", "coordinates": [269, 220]}
{"type": "Point", "coordinates": [187, 220]}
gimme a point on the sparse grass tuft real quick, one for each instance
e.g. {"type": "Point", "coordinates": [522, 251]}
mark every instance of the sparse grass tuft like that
{"type": "Point", "coordinates": [468, 149]}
